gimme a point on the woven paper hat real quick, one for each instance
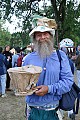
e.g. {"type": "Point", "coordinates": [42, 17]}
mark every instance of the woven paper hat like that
{"type": "Point", "coordinates": [43, 24]}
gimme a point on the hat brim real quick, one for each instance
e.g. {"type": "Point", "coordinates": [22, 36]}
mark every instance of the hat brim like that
{"type": "Point", "coordinates": [41, 29]}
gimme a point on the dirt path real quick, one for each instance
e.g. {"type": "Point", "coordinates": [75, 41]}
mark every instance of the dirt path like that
{"type": "Point", "coordinates": [13, 108]}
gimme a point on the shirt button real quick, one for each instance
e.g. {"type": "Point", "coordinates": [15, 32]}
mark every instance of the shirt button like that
{"type": "Point", "coordinates": [44, 68]}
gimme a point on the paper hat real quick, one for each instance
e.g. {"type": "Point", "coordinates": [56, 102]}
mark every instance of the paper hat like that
{"type": "Point", "coordinates": [43, 24]}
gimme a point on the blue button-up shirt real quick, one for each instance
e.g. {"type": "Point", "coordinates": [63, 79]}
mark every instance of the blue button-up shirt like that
{"type": "Point", "coordinates": [58, 81]}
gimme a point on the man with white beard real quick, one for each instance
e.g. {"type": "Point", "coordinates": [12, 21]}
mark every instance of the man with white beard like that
{"type": "Point", "coordinates": [43, 47]}
{"type": "Point", "coordinates": [52, 82]}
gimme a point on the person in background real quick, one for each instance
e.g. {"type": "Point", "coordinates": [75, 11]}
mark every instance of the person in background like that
{"type": "Point", "coordinates": [71, 114]}
{"type": "Point", "coordinates": [77, 64]}
{"type": "Point", "coordinates": [15, 57]}
{"type": "Point", "coordinates": [3, 71]}
{"type": "Point", "coordinates": [70, 61]}
{"type": "Point", "coordinates": [18, 56]}
{"type": "Point", "coordinates": [8, 55]}
{"type": "Point", "coordinates": [44, 102]}
{"type": "Point", "coordinates": [78, 50]}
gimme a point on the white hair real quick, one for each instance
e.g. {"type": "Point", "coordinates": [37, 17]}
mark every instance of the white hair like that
{"type": "Point", "coordinates": [45, 48]}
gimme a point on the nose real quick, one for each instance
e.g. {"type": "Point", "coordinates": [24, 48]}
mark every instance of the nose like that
{"type": "Point", "coordinates": [43, 36]}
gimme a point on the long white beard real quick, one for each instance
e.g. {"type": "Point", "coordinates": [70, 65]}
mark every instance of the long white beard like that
{"type": "Point", "coordinates": [44, 49]}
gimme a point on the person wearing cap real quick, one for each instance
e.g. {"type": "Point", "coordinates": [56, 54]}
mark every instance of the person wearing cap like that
{"type": "Point", "coordinates": [52, 82]}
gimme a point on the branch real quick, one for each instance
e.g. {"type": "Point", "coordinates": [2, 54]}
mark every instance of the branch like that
{"type": "Point", "coordinates": [62, 9]}
{"type": "Point", "coordinates": [53, 2]}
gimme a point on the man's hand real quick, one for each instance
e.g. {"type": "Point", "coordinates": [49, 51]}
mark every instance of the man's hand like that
{"type": "Point", "coordinates": [42, 90]}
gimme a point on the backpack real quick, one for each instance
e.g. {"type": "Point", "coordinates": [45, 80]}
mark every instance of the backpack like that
{"type": "Point", "coordinates": [19, 61]}
{"type": "Point", "coordinates": [70, 62]}
{"type": "Point", "coordinates": [74, 106]}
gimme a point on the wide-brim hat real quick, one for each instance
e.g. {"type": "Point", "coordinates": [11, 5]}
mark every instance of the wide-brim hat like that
{"type": "Point", "coordinates": [43, 24]}
{"type": "Point", "coordinates": [42, 29]}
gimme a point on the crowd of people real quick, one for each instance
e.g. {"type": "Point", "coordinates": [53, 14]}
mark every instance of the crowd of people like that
{"type": "Point", "coordinates": [52, 82]}
{"type": "Point", "coordinates": [7, 60]}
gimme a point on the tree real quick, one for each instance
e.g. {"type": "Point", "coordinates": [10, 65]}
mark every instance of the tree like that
{"type": "Point", "coordinates": [67, 17]}
{"type": "Point", "coordinates": [5, 36]}
{"type": "Point", "coordinates": [64, 12]}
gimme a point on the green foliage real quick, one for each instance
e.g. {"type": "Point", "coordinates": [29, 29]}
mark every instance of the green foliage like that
{"type": "Point", "coordinates": [20, 39]}
{"type": "Point", "coordinates": [16, 39]}
{"type": "Point", "coordinates": [67, 15]}
{"type": "Point", "coordinates": [71, 24]}
{"type": "Point", "coordinates": [5, 36]}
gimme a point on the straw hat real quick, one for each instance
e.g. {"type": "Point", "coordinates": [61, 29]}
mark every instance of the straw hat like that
{"type": "Point", "coordinates": [43, 24]}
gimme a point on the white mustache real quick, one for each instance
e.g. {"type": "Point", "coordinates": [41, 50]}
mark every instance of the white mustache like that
{"type": "Point", "coordinates": [44, 49]}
